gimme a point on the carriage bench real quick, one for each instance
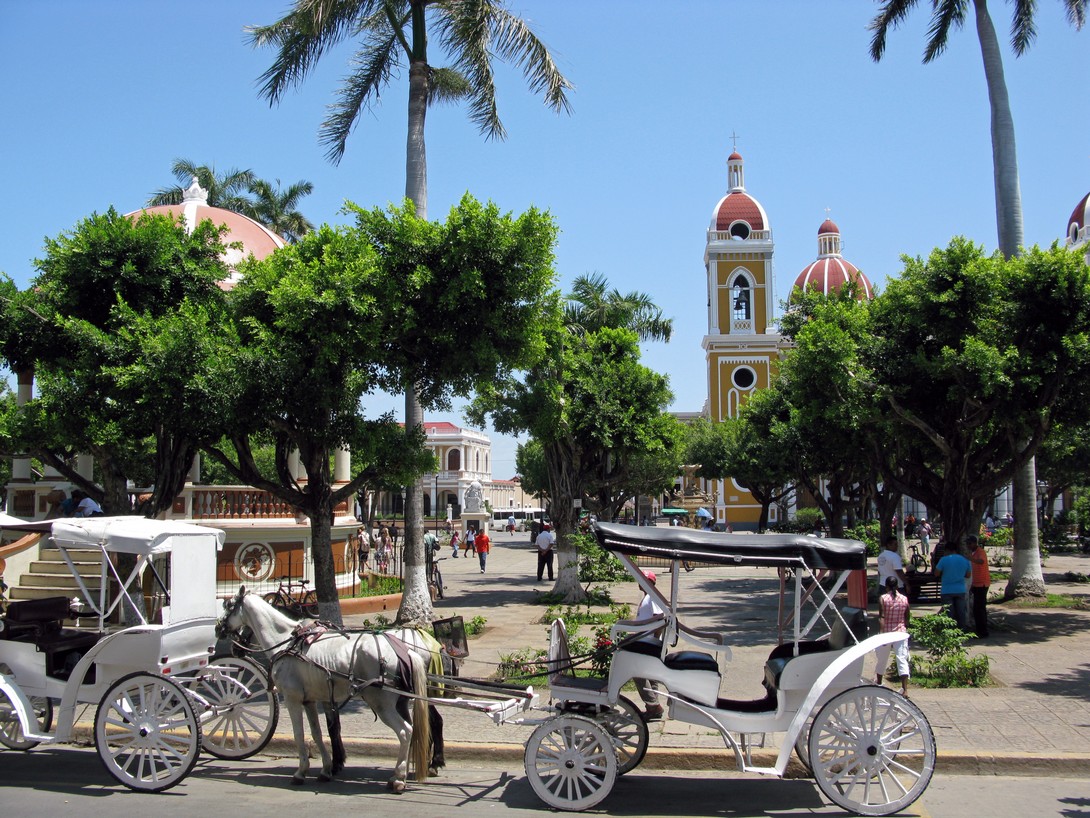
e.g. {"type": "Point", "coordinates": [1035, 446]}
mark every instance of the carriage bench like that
{"type": "Point", "coordinates": [681, 660]}
{"type": "Point", "coordinates": [840, 637]}
{"type": "Point", "coordinates": [40, 621]}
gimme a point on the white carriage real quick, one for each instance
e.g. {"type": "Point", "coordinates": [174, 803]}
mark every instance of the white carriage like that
{"type": "Point", "coordinates": [161, 694]}
{"type": "Point", "coordinates": [870, 749]}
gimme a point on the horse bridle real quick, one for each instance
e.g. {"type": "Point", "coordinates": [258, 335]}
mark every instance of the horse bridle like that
{"type": "Point", "coordinates": [230, 606]}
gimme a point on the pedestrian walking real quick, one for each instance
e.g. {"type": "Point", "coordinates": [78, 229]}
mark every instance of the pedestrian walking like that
{"type": "Point", "coordinates": [363, 540]}
{"type": "Point", "coordinates": [546, 543]}
{"type": "Point", "coordinates": [890, 563]}
{"type": "Point", "coordinates": [924, 531]}
{"type": "Point", "coordinates": [383, 551]}
{"type": "Point", "coordinates": [893, 616]}
{"type": "Point", "coordinates": [979, 586]}
{"type": "Point", "coordinates": [454, 544]}
{"type": "Point", "coordinates": [470, 544]}
{"type": "Point", "coordinates": [483, 545]}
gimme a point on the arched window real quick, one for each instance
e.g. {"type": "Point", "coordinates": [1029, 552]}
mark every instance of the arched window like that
{"type": "Point", "coordinates": [739, 231]}
{"type": "Point", "coordinates": [741, 298]}
{"type": "Point", "coordinates": [454, 460]}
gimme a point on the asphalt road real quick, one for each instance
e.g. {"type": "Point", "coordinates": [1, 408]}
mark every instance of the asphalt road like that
{"type": "Point", "coordinates": [71, 781]}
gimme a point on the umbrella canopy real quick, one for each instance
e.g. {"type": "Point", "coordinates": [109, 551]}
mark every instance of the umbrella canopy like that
{"type": "Point", "coordinates": [673, 511]}
{"type": "Point", "coordinates": [703, 512]}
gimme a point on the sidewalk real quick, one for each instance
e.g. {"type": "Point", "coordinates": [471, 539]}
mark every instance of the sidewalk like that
{"type": "Point", "coordinates": [1035, 720]}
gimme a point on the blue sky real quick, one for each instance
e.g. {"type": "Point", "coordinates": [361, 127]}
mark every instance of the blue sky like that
{"type": "Point", "coordinates": [99, 98]}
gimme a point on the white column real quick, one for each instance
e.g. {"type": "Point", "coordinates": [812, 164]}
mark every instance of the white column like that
{"type": "Point", "coordinates": [20, 466]}
{"type": "Point", "coordinates": [85, 466]}
{"type": "Point", "coordinates": [194, 475]}
{"type": "Point", "coordinates": [342, 465]}
{"type": "Point", "coordinates": [293, 464]}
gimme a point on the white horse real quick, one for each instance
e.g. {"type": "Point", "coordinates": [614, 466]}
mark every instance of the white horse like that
{"type": "Point", "coordinates": [333, 666]}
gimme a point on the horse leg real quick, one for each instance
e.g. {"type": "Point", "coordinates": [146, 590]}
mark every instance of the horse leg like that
{"type": "Point", "coordinates": [385, 705]}
{"type": "Point", "coordinates": [316, 732]}
{"type": "Point", "coordinates": [336, 742]}
{"type": "Point", "coordinates": [437, 758]}
{"type": "Point", "coordinates": [295, 710]}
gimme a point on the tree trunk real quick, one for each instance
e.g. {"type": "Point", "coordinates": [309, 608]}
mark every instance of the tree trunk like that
{"type": "Point", "coordinates": [562, 491]}
{"type": "Point", "coordinates": [415, 610]}
{"type": "Point", "coordinates": [1026, 577]}
{"type": "Point", "coordinates": [321, 553]}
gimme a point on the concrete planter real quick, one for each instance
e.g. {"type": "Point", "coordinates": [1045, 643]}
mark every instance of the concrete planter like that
{"type": "Point", "coordinates": [371, 604]}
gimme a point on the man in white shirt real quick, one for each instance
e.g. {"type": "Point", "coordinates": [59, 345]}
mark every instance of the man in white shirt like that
{"type": "Point", "coordinates": [86, 506]}
{"type": "Point", "coordinates": [546, 542]}
{"type": "Point", "coordinates": [890, 564]}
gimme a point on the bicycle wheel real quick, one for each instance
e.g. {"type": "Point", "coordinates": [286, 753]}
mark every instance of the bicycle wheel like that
{"type": "Point", "coordinates": [437, 579]}
{"type": "Point", "coordinates": [309, 606]}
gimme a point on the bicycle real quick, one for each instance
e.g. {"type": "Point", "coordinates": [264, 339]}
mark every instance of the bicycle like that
{"type": "Point", "coordinates": [918, 560]}
{"type": "Point", "coordinates": [294, 600]}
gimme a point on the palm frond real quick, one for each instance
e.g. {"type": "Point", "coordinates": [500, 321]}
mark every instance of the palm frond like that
{"type": "Point", "coordinates": [302, 36]}
{"type": "Point", "coordinates": [890, 15]}
{"type": "Point", "coordinates": [515, 41]}
{"type": "Point", "coordinates": [447, 85]}
{"type": "Point", "coordinates": [374, 64]}
{"type": "Point", "coordinates": [947, 14]}
{"type": "Point", "coordinates": [1023, 28]}
{"type": "Point", "coordinates": [1076, 12]}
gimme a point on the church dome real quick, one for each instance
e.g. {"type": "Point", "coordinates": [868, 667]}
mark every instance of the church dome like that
{"type": "Point", "coordinates": [831, 271]}
{"type": "Point", "coordinates": [738, 213]}
{"type": "Point", "coordinates": [255, 239]}
{"type": "Point", "coordinates": [1078, 224]}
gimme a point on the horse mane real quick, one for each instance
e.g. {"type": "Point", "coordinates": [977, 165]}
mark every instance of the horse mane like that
{"type": "Point", "coordinates": [259, 612]}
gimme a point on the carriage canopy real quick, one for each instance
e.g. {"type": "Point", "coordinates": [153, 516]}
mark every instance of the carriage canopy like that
{"type": "Point", "coordinates": [131, 535]}
{"type": "Point", "coordinates": [732, 549]}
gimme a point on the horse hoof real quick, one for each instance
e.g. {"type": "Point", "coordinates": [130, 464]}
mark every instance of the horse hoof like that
{"type": "Point", "coordinates": [297, 780]}
{"type": "Point", "coordinates": [433, 771]}
{"type": "Point", "coordinates": [396, 787]}
{"type": "Point", "coordinates": [323, 778]}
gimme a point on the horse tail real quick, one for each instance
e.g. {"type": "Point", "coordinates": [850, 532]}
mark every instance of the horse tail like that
{"type": "Point", "coordinates": [420, 747]}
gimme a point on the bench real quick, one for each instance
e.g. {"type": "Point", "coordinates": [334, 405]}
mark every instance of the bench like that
{"type": "Point", "coordinates": [40, 622]}
{"type": "Point", "coordinates": [849, 628]}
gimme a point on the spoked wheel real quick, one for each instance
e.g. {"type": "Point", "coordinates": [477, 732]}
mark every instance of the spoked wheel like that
{"type": "Point", "coordinates": [802, 747]}
{"type": "Point", "coordinates": [309, 606]}
{"type": "Point", "coordinates": [872, 751]}
{"type": "Point", "coordinates": [437, 580]}
{"type": "Point", "coordinates": [147, 733]}
{"type": "Point", "coordinates": [571, 763]}
{"type": "Point", "coordinates": [629, 732]}
{"type": "Point", "coordinates": [243, 724]}
{"type": "Point", "coordinates": [11, 731]}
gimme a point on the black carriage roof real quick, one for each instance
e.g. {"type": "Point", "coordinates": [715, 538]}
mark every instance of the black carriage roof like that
{"type": "Point", "coordinates": [731, 549]}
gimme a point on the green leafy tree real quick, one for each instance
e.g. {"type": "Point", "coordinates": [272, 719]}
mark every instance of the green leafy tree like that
{"type": "Point", "coordinates": [996, 342]}
{"type": "Point", "coordinates": [588, 400]}
{"type": "Point", "coordinates": [125, 331]}
{"type": "Point", "coordinates": [392, 33]}
{"type": "Point", "coordinates": [1026, 576]}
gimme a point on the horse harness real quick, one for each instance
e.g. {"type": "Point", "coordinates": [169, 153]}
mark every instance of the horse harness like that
{"type": "Point", "coordinates": [397, 674]}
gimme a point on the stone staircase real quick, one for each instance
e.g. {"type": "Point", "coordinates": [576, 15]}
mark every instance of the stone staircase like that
{"type": "Point", "coordinates": [49, 575]}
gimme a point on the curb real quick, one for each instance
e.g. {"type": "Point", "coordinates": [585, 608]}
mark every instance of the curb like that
{"type": "Point", "coordinates": [952, 762]}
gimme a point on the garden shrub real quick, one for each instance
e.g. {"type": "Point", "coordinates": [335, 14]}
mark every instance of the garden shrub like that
{"type": "Point", "coordinates": [947, 664]}
{"type": "Point", "coordinates": [867, 533]}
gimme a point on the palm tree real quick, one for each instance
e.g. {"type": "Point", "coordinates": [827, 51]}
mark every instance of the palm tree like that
{"type": "Point", "coordinates": [227, 190]}
{"type": "Point", "coordinates": [592, 306]}
{"type": "Point", "coordinates": [389, 32]}
{"type": "Point", "coordinates": [278, 209]}
{"type": "Point", "coordinates": [1026, 576]}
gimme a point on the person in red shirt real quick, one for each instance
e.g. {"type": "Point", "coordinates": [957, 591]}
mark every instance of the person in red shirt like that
{"type": "Point", "coordinates": [980, 584]}
{"type": "Point", "coordinates": [484, 544]}
{"type": "Point", "coordinates": [893, 617]}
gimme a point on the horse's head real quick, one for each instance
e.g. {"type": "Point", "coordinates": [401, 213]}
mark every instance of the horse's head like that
{"type": "Point", "coordinates": [231, 620]}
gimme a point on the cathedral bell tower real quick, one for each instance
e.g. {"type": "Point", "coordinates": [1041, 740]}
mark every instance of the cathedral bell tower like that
{"type": "Point", "coordinates": [742, 344]}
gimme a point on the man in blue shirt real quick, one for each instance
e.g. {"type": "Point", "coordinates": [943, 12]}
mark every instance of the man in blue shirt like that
{"type": "Point", "coordinates": [955, 571]}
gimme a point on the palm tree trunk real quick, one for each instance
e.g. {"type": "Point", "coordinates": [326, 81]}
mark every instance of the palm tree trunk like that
{"type": "Point", "coordinates": [415, 606]}
{"type": "Point", "coordinates": [1026, 575]}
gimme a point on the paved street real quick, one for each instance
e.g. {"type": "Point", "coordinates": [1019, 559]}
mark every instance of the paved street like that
{"type": "Point", "coordinates": [71, 781]}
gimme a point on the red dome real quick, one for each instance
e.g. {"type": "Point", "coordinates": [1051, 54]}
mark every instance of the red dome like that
{"type": "Point", "coordinates": [828, 226]}
{"type": "Point", "coordinates": [1079, 221]}
{"type": "Point", "coordinates": [739, 206]}
{"type": "Point", "coordinates": [734, 156]}
{"type": "Point", "coordinates": [829, 274]}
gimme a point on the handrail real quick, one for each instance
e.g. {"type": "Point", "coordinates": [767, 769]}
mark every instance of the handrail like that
{"type": "Point", "coordinates": [20, 545]}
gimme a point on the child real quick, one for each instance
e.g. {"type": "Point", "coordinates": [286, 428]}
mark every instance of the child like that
{"type": "Point", "coordinates": [893, 618]}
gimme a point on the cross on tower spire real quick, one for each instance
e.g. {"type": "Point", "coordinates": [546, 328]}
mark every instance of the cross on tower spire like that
{"type": "Point", "coordinates": [734, 140]}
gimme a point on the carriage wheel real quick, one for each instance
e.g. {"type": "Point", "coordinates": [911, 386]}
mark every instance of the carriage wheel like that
{"type": "Point", "coordinates": [11, 731]}
{"type": "Point", "coordinates": [571, 763]}
{"type": "Point", "coordinates": [629, 732]}
{"type": "Point", "coordinates": [146, 732]}
{"type": "Point", "coordinates": [802, 747]}
{"type": "Point", "coordinates": [872, 750]}
{"type": "Point", "coordinates": [246, 726]}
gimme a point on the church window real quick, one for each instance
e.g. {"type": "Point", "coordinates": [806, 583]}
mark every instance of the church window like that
{"type": "Point", "coordinates": [744, 378]}
{"type": "Point", "coordinates": [454, 460]}
{"type": "Point", "coordinates": [739, 230]}
{"type": "Point", "coordinates": [741, 301]}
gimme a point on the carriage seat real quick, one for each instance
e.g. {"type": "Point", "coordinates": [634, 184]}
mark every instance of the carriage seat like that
{"type": "Point", "coordinates": [681, 660]}
{"type": "Point", "coordinates": [40, 621]}
{"type": "Point", "coordinates": [839, 638]}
